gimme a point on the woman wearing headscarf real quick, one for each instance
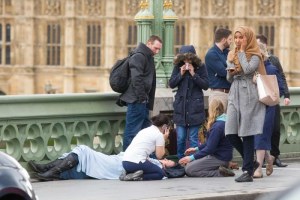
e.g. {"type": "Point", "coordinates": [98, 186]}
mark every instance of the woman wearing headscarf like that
{"type": "Point", "coordinates": [245, 113]}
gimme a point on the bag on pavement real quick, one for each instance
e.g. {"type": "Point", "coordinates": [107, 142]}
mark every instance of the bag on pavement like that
{"type": "Point", "coordinates": [175, 172]}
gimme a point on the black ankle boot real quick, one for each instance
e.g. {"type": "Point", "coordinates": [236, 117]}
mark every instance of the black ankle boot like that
{"type": "Point", "coordinates": [53, 174]}
{"type": "Point", "coordinates": [41, 168]}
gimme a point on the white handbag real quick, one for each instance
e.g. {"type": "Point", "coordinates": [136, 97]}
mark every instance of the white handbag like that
{"type": "Point", "coordinates": [268, 90]}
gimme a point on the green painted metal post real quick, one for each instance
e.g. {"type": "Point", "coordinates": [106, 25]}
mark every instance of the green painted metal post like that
{"type": "Point", "coordinates": [169, 19]}
{"type": "Point", "coordinates": [144, 20]}
{"type": "Point", "coordinates": [156, 17]}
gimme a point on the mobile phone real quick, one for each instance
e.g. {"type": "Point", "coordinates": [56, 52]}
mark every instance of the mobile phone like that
{"type": "Point", "coordinates": [231, 69]}
{"type": "Point", "coordinates": [186, 66]}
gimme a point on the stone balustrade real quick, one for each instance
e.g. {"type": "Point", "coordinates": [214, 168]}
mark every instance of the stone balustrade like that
{"type": "Point", "coordinates": [42, 127]}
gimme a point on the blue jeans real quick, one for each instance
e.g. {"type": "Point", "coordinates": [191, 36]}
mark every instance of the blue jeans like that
{"type": "Point", "coordinates": [151, 171]}
{"type": "Point", "coordinates": [73, 174]}
{"type": "Point", "coordinates": [182, 132]}
{"type": "Point", "coordinates": [137, 118]}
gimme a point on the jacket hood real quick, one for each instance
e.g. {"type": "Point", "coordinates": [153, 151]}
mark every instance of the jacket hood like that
{"type": "Point", "coordinates": [187, 49]}
{"type": "Point", "coordinates": [142, 48]}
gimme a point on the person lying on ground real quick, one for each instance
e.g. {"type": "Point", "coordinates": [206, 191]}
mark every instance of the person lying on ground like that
{"type": "Point", "coordinates": [84, 163]}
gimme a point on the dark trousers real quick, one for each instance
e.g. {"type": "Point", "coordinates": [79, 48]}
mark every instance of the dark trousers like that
{"type": "Point", "coordinates": [151, 171]}
{"type": "Point", "coordinates": [276, 133]}
{"type": "Point", "coordinates": [245, 146]}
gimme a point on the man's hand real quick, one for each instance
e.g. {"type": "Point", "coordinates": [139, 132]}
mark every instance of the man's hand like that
{"type": "Point", "coordinates": [286, 101]}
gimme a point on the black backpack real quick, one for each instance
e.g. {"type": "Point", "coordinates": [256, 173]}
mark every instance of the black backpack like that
{"type": "Point", "coordinates": [119, 78]}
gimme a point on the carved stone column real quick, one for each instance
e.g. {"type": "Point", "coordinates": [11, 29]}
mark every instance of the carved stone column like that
{"type": "Point", "coordinates": [240, 12]}
{"type": "Point", "coordinates": [69, 46]}
{"type": "Point", "coordinates": [22, 79]}
{"type": "Point", "coordinates": [285, 34]}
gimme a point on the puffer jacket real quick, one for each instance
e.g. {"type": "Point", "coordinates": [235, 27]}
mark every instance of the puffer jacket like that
{"type": "Point", "coordinates": [189, 99]}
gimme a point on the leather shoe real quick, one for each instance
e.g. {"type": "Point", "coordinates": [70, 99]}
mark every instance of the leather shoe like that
{"type": "Point", "coordinates": [225, 172]}
{"type": "Point", "coordinates": [278, 163]}
{"type": "Point", "coordinates": [245, 177]}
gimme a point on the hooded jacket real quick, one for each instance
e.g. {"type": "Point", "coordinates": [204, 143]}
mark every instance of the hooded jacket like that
{"type": "Point", "coordinates": [143, 77]}
{"type": "Point", "coordinates": [189, 99]}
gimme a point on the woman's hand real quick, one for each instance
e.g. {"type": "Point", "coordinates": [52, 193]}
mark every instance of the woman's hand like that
{"type": "Point", "coordinates": [232, 71]}
{"type": "Point", "coordinates": [191, 70]}
{"type": "Point", "coordinates": [185, 160]}
{"type": "Point", "coordinates": [182, 69]}
{"type": "Point", "coordinates": [166, 133]}
{"type": "Point", "coordinates": [190, 151]}
{"type": "Point", "coordinates": [243, 44]}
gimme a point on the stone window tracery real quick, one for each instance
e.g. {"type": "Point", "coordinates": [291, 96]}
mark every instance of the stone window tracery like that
{"type": "Point", "coordinates": [53, 44]}
{"type": "Point", "coordinates": [268, 30]}
{"type": "Point", "coordinates": [132, 37]}
{"type": "Point", "coordinates": [220, 7]}
{"type": "Point", "coordinates": [266, 7]}
{"type": "Point", "coordinates": [180, 33]}
{"type": "Point", "coordinates": [5, 43]}
{"type": "Point", "coordinates": [93, 7]}
{"type": "Point", "coordinates": [53, 7]}
{"type": "Point", "coordinates": [93, 44]}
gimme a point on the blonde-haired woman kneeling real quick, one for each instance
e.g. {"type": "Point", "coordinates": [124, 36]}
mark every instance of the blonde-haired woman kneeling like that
{"type": "Point", "coordinates": [211, 159]}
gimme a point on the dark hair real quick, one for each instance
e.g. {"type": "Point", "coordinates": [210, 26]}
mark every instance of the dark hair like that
{"type": "Point", "coordinates": [221, 33]}
{"type": "Point", "coordinates": [160, 119]}
{"type": "Point", "coordinates": [152, 38]}
{"type": "Point", "coordinates": [180, 58]}
{"type": "Point", "coordinates": [263, 39]}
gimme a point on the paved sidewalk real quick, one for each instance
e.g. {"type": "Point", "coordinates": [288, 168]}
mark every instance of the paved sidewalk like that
{"type": "Point", "coordinates": [175, 189]}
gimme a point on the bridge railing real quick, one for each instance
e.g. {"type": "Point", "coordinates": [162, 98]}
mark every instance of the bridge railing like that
{"type": "Point", "coordinates": [42, 127]}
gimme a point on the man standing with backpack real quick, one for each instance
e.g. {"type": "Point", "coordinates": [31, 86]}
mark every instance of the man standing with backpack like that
{"type": "Point", "coordinates": [139, 97]}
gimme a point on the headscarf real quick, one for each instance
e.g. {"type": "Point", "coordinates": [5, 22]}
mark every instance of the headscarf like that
{"type": "Point", "coordinates": [251, 49]}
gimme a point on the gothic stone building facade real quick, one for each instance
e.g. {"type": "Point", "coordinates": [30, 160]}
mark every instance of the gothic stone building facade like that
{"type": "Point", "coordinates": [69, 46]}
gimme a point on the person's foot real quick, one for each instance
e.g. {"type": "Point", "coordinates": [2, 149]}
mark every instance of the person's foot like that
{"type": "Point", "coordinates": [224, 171]}
{"type": "Point", "coordinates": [255, 165]}
{"type": "Point", "coordinates": [278, 163]}
{"type": "Point", "coordinates": [136, 176]}
{"type": "Point", "coordinates": [245, 177]}
{"type": "Point", "coordinates": [122, 176]}
{"type": "Point", "coordinates": [258, 173]}
{"type": "Point", "coordinates": [269, 166]}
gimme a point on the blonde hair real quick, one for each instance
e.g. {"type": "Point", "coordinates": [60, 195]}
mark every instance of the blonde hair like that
{"type": "Point", "coordinates": [215, 109]}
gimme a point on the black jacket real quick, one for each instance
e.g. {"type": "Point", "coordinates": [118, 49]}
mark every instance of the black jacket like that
{"type": "Point", "coordinates": [143, 77]}
{"type": "Point", "coordinates": [189, 98]}
{"type": "Point", "coordinates": [275, 61]}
